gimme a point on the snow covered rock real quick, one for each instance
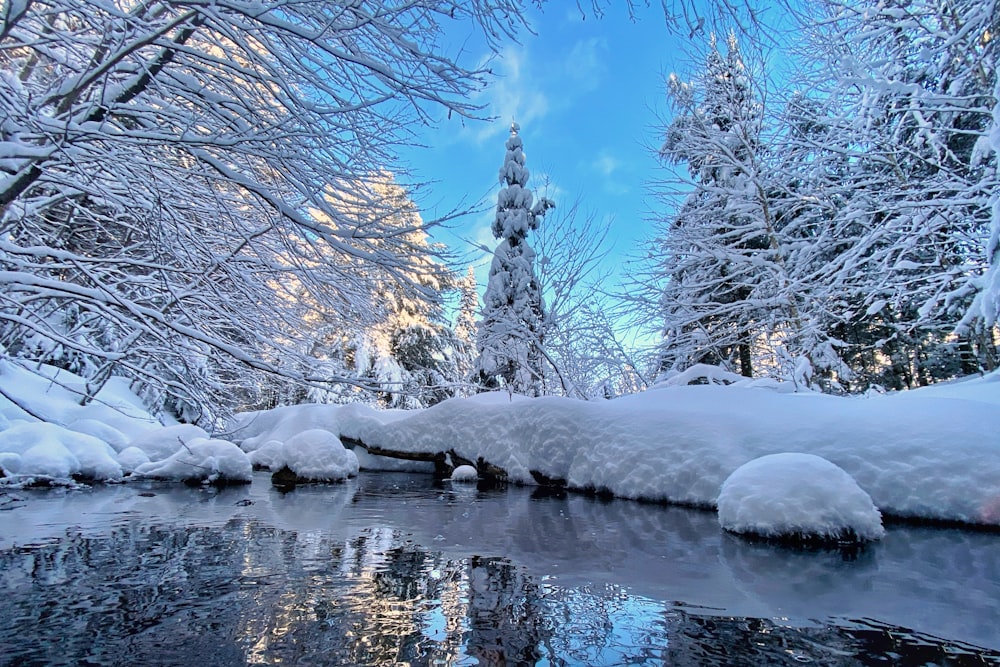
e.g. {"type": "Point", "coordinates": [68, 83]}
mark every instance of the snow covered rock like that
{"type": "Point", "coordinates": [464, 474]}
{"type": "Point", "coordinates": [312, 455]}
{"type": "Point", "coordinates": [798, 497]}
{"type": "Point", "coordinates": [319, 456]}
{"type": "Point", "coordinates": [269, 456]}
{"type": "Point", "coordinates": [202, 460]}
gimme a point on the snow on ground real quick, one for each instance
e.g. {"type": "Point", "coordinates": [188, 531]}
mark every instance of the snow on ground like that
{"type": "Point", "coordinates": [930, 453]}
{"type": "Point", "coordinates": [916, 455]}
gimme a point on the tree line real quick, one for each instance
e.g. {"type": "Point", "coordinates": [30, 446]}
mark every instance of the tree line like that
{"type": "Point", "coordinates": [196, 196]}
{"type": "Point", "coordinates": [838, 227]}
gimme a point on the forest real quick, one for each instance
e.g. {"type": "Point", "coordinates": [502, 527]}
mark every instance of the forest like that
{"type": "Point", "coordinates": [205, 198]}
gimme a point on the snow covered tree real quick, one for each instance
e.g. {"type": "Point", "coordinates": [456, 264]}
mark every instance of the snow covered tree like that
{"type": "Point", "coordinates": [725, 287]}
{"type": "Point", "coordinates": [908, 92]}
{"type": "Point", "coordinates": [465, 324]}
{"type": "Point", "coordinates": [404, 355]}
{"type": "Point", "coordinates": [512, 329]}
{"type": "Point", "coordinates": [162, 163]}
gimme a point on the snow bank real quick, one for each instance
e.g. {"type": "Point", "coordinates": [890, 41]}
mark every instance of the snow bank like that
{"type": "Point", "coordinates": [917, 454]}
{"type": "Point", "coordinates": [202, 460]}
{"type": "Point", "coordinates": [46, 436]}
{"type": "Point", "coordinates": [54, 396]}
{"type": "Point", "coordinates": [797, 496]}
{"type": "Point", "coordinates": [930, 453]}
{"type": "Point", "coordinates": [35, 452]}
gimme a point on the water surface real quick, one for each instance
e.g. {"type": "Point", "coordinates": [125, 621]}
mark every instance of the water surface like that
{"type": "Point", "coordinates": [394, 569]}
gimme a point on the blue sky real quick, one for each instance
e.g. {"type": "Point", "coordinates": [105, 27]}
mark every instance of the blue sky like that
{"type": "Point", "coordinates": [586, 93]}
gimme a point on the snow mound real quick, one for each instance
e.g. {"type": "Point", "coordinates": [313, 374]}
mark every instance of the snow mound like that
{"type": "Point", "coordinates": [131, 458]}
{"type": "Point", "coordinates": [252, 430]}
{"type": "Point", "coordinates": [797, 496]}
{"type": "Point", "coordinates": [163, 443]}
{"type": "Point", "coordinates": [41, 451]}
{"type": "Point", "coordinates": [101, 431]}
{"type": "Point", "coordinates": [201, 460]}
{"type": "Point", "coordinates": [464, 474]}
{"type": "Point", "coordinates": [269, 456]}
{"type": "Point", "coordinates": [319, 456]}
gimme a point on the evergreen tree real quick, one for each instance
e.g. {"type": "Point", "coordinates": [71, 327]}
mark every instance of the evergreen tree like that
{"type": "Point", "coordinates": [907, 89]}
{"type": "Point", "coordinates": [511, 333]}
{"type": "Point", "coordinates": [725, 289]}
{"type": "Point", "coordinates": [465, 324]}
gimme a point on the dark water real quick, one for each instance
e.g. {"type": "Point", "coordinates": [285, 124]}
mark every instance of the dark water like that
{"type": "Point", "coordinates": [392, 569]}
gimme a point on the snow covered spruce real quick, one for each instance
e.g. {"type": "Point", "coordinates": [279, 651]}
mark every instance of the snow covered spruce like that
{"type": "Point", "coordinates": [774, 462]}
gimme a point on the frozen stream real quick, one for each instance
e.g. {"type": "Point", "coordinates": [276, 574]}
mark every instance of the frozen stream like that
{"type": "Point", "coordinates": [391, 569]}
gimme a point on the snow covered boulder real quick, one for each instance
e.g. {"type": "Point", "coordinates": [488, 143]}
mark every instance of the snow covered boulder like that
{"type": "Point", "coordinates": [797, 497]}
{"type": "Point", "coordinates": [269, 456]}
{"type": "Point", "coordinates": [315, 455]}
{"type": "Point", "coordinates": [201, 461]}
{"type": "Point", "coordinates": [465, 474]}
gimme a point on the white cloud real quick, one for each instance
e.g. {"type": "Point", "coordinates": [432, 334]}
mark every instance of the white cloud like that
{"type": "Point", "coordinates": [515, 93]}
{"type": "Point", "coordinates": [586, 63]}
{"type": "Point", "coordinates": [526, 88]}
{"type": "Point", "coordinates": [606, 164]}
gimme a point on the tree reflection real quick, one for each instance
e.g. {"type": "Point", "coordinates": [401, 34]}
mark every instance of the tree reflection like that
{"type": "Point", "coordinates": [249, 593]}
{"type": "Point", "coordinates": [507, 619]}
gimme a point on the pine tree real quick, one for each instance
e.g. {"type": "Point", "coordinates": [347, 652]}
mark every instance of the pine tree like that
{"type": "Point", "coordinates": [726, 290]}
{"type": "Point", "coordinates": [512, 330]}
{"type": "Point", "coordinates": [465, 325]}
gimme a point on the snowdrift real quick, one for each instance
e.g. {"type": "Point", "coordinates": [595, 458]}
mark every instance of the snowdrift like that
{"type": "Point", "coordinates": [931, 453]}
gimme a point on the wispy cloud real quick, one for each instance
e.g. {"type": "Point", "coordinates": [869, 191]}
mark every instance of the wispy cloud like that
{"type": "Point", "coordinates": [516, 93]}
{"type": "Point", "coordinates": [606, 164]}
{"type": "Point", "coordinates": [613, 171]}
{"type": "Point", "coordinates": [528, 86]}
{"type": "Point", "coordinates": [586, 64]}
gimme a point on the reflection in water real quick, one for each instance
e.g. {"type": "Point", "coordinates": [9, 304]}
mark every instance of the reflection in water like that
{"type": "Point", "coordinates": [329, 580]}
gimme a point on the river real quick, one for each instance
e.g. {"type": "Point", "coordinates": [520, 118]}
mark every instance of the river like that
{"type": "Point", "coordinates": [391, 569]}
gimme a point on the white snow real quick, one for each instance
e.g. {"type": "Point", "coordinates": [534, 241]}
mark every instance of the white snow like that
{"type": "Point", "coordinates": [131, 458]}
{"type": "Point", "coordinates": [319, 456]}
{"type": "Point", "coordinates": [165, 442]}
{"type": "Point", "coordinates": [201, 459]}
{"type": "Point", "coordinates": [41, 450]}
{"type": "Point", "coordinates": [930, 453]}
{"type": "Point", "coordinates": [791, 495]}
{"type": "Point", "coordinates": [464, 473]}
